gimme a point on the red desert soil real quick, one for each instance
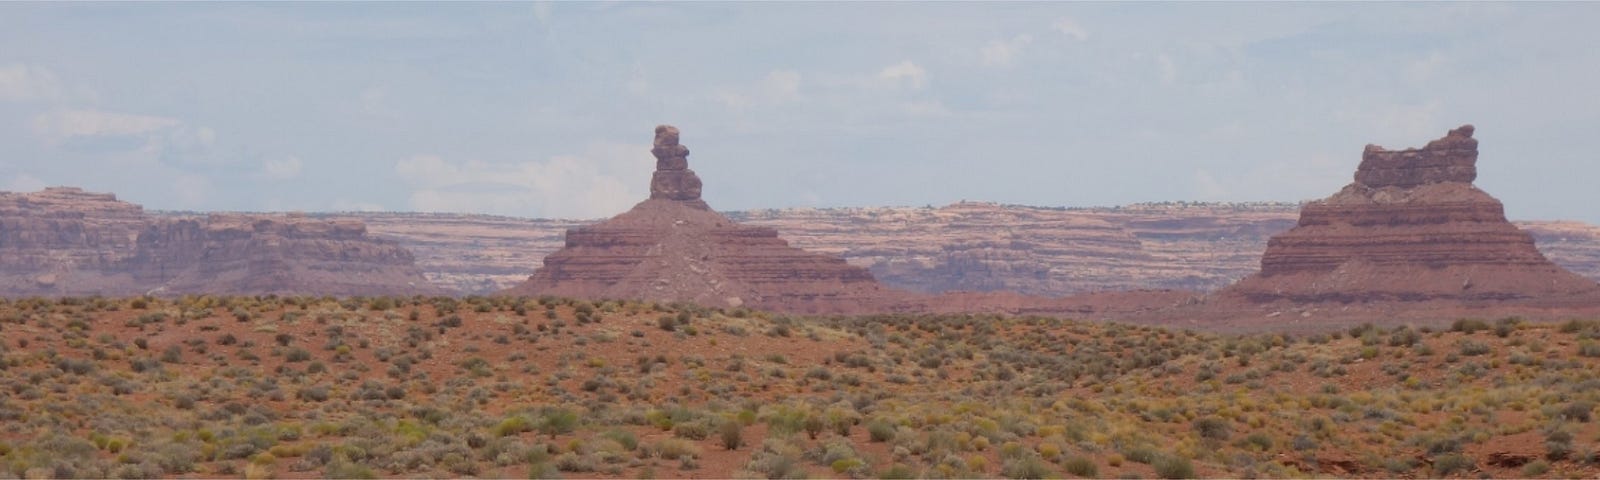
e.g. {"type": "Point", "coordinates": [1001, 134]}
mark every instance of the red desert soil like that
{"type": "Point", "coordinates": [506, 387]}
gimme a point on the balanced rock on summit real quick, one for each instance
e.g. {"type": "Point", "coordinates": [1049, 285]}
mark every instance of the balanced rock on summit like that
{"type": "Point", "coordinates": [1412, 227]}
{"type": "Point", "coordinates": [672, 247]}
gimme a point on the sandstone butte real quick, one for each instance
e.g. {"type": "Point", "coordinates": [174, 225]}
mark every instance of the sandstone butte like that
{"type": "Point", "coordinates": [64, 241]}
{"type": "Point", "coordinates": [673, 248]}
{"type": "Point", "coordinates": [1411, 228]}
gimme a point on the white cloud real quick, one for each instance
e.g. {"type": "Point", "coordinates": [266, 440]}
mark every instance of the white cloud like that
{"type": "Point", "coordinates": [1167, 69]}
{"type": "Point", "coordinates": [23, 83]}
{"type": "Point", "coordinates": [778, 87]}
{"type": "Point", "coordinates": [61, 125]}
{"type": "Point", "coordinates": [607, 179]}
{"type": "Point", "coordinates": [904, 73]}
{"type": "Point", "coordinates": [25, 183]}
{"type": "Point", "coordinates": [1004, 53]}
{"type": "Point", "coordinates": [1069, 27]}
{"type": "Point", "coordinates": [282, 168]}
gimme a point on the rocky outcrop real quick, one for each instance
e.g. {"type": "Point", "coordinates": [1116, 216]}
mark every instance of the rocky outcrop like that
{"type": "Point", "coordinates": [1411, 228]}
{"type": "Point", "coordinates": [64, 241]}
{"type": "Point", "coordinates": [1181, 245]}
{"type": "Point", "coordinates": [274, 254]}
{"type": "Point", "coordinates": [672, 247]}
{"type": "Point", "coordinates": [673, 180]}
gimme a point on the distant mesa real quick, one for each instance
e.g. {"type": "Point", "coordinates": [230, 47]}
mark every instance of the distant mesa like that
{"type": "Point", "coordinates": [672, 247]}
{"type": "Point", "coordinates": [64, 241]}
{"type": "Point", "coordinates": [1412, 227]}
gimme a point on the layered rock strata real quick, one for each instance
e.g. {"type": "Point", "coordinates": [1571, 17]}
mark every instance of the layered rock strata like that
{"type": "Point", "coordinates": [672, 247]}
{"type": "Point", "coordinates": [1412, 227]}
{"type": "Point", "coordinates": [64, 241]}
{"type": "Point", "coordinates": [274, 254]}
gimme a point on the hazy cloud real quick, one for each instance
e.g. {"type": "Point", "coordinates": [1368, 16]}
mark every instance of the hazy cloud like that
{"type": "Point", "coordinates": [282, 168]}
{"type": "Point", "coordinates": [62, 125]}
{"type": "Point", "coordinates": [605, 180]}
{"type": "Point", "coordinates": [903, 74]}
{"type": "Point", "coordinates": [1069, 27]}
{"type": "Point", "coordinates": [24, 83]}
{"type": "Point", "coordinates": [1004, 53]}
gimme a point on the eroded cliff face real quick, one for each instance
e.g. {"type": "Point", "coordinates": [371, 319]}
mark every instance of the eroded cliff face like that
{"type": "Point", "coordinates": [1189, 246]}
{"type": "Point", "coordinates": [672, 247]}
{"type": "Point", "coordinates": [274, 254]}
{"type": "Point", "coordinates": [64, 241]}
{"type": "Point", "coordinates": [1412, 227]}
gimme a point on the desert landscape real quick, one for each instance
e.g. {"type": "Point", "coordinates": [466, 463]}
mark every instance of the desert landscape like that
{"type": "Point", "coordinates": [337, 240]}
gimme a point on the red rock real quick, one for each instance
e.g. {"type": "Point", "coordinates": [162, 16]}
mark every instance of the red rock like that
{"type": "Point", "coordinates": [673, 247]}
{"type": "Point", "coordinates": [1411, 228]}
{"type": "Point", "coordinates": [274, 254]}
{"type": "Point", "coordinates": [64, 241]}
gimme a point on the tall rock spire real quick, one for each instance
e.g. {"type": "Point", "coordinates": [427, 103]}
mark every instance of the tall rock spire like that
{"type": "Point", "coordinates": [673, 179]}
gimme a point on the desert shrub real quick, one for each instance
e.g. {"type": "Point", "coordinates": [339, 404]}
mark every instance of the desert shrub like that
{"type": "Point", "coordinates": [1449, 463]}
{"type": "Point", "coordinates": [1589, 349]}
{"type": "Point", "coordinates": [1173, 467]}
{"type": "Point", "coordinates": [731, 434]}
{"type": "Point", "coordinates": [880, 431]}
{"type": "Point", "coordinates": [173, 354]}
{"type": "Point", "coordinates": [674, 449]}
{"type": "Point", "coordinates": [1582, 411]}
{"type": "Point", "coordinates": [558, 421]}
{"type": "Point", "coordinates": [1082, 467]}
{"type": "Point", "coordinates": [693, 430]}
{"type": "Point", "coordinates": [297, 355]}
{"type": "Point", "coordinates": [1213, 428]}
{"type": "Point", "coordinates": [1536, 468]}
{"type": "Point", "coordinates": [1471, 349]}
{"type": "Point", "coordinates": [898, 472]}
{"type": "Point", "coordinates": [1468, 325]}
{"type": "Point", "coordinates": [1558, 444]}
{"type": "Point", "coordinates": [512, 426]}
{"type": "Point", "coordinates": [623, 437]}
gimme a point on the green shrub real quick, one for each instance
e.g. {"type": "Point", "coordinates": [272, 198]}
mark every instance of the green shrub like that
{"type": "Point", "coordinates": [557, 422]}
{"type": "Point", "coordinates": [880, 431]}
{"type": "Point", "coordinates": [1449, 463]}
{"type": "Point", "coordinates": [1082, 467]}
{"type": "Point", "coordinates": [898, 472]}
{"type": "Point", "coordinates": [1173, 467]}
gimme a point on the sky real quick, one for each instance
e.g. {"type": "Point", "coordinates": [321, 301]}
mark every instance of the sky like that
{"type": "Point", "coordinates": [547, 110]}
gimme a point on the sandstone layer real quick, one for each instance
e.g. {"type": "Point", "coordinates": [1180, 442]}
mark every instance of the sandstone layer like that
{"type": "Point", "coordinates": [672, 247]}
{"type": "Point", "coordinates": [274, 254]}
{"type": "Point", "coordinates": [1184, 246]}
{"type": "Point", "coordinates": [1412, 227]}
{"type": "Point", "coordinates": [64, 241]}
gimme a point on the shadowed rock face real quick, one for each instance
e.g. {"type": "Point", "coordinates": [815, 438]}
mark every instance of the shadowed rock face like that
{"type": "Point", "coordinates": [672, 247]}
{"type": "Point", "coordinates": [1412, 227]}
{"type": "Point", "coordinates": [64, 241]}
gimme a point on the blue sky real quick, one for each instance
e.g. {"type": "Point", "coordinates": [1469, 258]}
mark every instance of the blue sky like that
{"type": "Point", "coordinates": [546, 110]}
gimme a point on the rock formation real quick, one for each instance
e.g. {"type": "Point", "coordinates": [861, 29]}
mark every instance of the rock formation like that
{"type": "Point", "coordinates": [274, 254]}
{"type": "Point", "coordinates": [1411, 228]}
{"type": "Point", "coordinates": [64, 241]}
{"type": "Point", "coordinates": [672, 247]}
{"type": "Point", "coordinates": [1185, 246]}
